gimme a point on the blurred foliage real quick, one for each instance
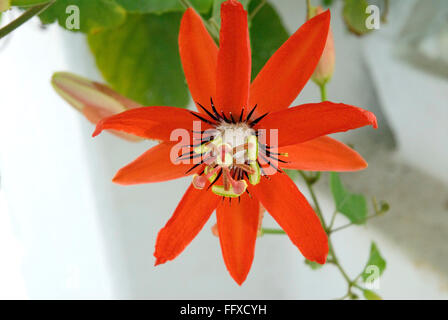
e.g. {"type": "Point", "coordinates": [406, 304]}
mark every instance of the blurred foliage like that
{"type": "Point", "coordinates": [162, 6]}
{"type": "Point", "coordinates": [267, 34]}
{"type": "Point", "coordinates": [135, 42]}
{"type": "Point", "coordinates": [313, 265]}
{"type": "Point", "coordinates": [95, 15]}
{"type": "Point", "coordinates": [327, 3]}
{"type": "Point", "coordinates": [353, 206]}
{"type": "Point", "coordinates": [370, 295]}
{"type": "Point", "coordinates": [354, 13]}
{"type": "Point", "coordinates": [355, 16]}
{"type": "Point", "coordinates": [27, 3]}
{"type": "Point", "coordinates": [149, 69]}
{"type": "Point", "coordinates": [140, 59]}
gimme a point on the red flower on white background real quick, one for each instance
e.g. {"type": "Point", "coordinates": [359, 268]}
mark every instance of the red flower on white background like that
{"type": "Point", "coordinates": [234, 109]}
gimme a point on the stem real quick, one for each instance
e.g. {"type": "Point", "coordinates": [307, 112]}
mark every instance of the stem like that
{"type": "Point", "coordinates": [308, 5]}
{"type": "Point", "coordinates": [27, 15]}
{"type": "Point", "coordinates": [257, 8]}
{"type": "Point", "coordinates": [323, 92]}
{"type": "Point", "coordinates": [313, 196]}
{"type": "Point", "coordinates": [351, 223]}
{"type": "Point", "coordinates": [385, 12]}
{"type": "Point", "coordinates": [337, 264]}
{"type": "Point", "coordinates": [333, 218]}
{"type": "Point", "coordinates": [272, 231]}
{"type": "Point", "coordinates": [331, 252]}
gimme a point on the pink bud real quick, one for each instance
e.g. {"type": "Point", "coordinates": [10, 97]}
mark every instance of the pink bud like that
{"type": "Point", "coordinates": [4, 5]}
{"type": "Point", "coordinates": [325, 68]}
{"type": "Point", "coordinates": [239, 186]}
{"type": "Point", "coordinates": [94, 100]}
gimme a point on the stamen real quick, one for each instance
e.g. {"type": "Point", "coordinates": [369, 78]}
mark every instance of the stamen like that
{"type": "Point", "coordinates": [234, 189]}
{"type": "Point", "coordinates": [199, 181]}
{"type": "Point", "coordinates": [255, 175]}
{"type": "Point", "coordinates": [263, 173]}
{"type": "Point", "coordinates": [270, 164]}
{"type": "Point", "coordinates": [231, 153]}
{"type": "Point", "coordinates": [240, 148]}
{"type": "Point", "coordinates": [252, 148]}
{"type": "Point", "coordinates": [244, 167]}
{"type": "Point", "coordinates": [277, 159]}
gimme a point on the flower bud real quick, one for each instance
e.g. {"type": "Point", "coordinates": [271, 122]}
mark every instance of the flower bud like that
{"type": "Point", "coordinates": [4, 5]}
{"type": "Point", "coordinates": [325, 68]}
{"type": "Point", "coordinates": [94, 100]}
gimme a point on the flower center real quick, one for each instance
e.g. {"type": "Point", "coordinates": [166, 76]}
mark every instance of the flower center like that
{"type": "Point", "coordinates": [230, 157]}
{"type": "Point", "coordinates": [231, 152]}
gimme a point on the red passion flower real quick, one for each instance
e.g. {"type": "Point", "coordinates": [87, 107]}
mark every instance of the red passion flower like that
{"type": "Point", "coordinates": [246, 136]}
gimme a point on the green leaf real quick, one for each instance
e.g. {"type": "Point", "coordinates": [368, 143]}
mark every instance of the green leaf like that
{"type": "Point", "coordinates": [140, 59]}
{"type": "Point", "coordinates": [94, 15]}
{"type": "Point", "coordinates": [267, 34]}
{"type": "Point", "coordinates": [370, 295]}
{"type": "Point", "coordinates": [355, 16]}
{"type": "Point", "coordinates": [313, 265]}
{"type": "Point", "coordinates": [353, 206]}
{"type": "Point", "coordinates": [26, 3]}
{"type": "Point", "coordinates": [327, 3]}
{"type": "Point", "coordinates": [216, 12]}
{"type": "Point", "coordinates": [375, 260]}
{"type": "Point", "coordinates": [162, 6]}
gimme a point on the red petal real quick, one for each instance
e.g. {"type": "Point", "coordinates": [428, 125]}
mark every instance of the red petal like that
{"type": "Point", "coordinates": [191, 214]}
{"type": "Point", "coordinates": [291, 66]}
{"type": "Point", "coordinates": [237, 227]}
{"type": "Point", "coordinates": [155, 165]}
{"type": "Point", "coordinates": [234, 60]}
{"type": "Point", "coordinates": [281, 198]}
{"type": "Point", "coordinates": [322, 154]}
{"type": "Point", "coordinates": [150, 122]}
{"type": "Point", "coordinates": [199, 55]}
{"type": "Point", "coordinates": [310, 121]}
